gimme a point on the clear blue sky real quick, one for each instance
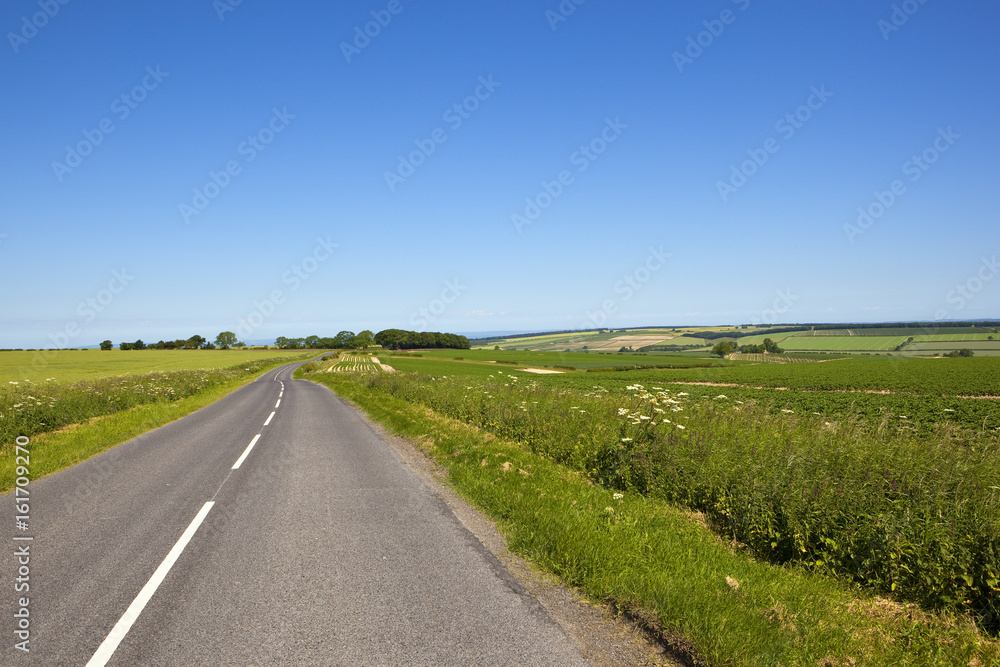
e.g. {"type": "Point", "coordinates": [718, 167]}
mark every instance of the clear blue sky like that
{"type": "Point", "coordinates": [666, 121]}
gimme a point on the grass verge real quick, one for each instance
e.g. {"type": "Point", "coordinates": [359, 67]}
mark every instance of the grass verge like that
{"type": "Point", "coordinates": [713, 604]}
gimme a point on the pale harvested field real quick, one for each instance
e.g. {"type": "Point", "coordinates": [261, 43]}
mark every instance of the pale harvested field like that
{"type": "Point", "coordinates": [616, 343]}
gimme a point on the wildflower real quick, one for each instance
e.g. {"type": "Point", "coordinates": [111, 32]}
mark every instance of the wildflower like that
{"type": "Point", "coordinates": [622, 412]}
{"type": "Point", "coordinates": [11, 382]}
{"type": "Point", "coordinates": [787, 411]}
{"type": "Point", "coordinates": [720, 396]}
{"type": "Point", "coordinates": [623, 439]}
{"type": "Point", "coordinates": [732, 583]}
{"type": "Point", "coordinates": [609, 510]}
{"type": "Point", "coordinates": [644, 417]}
{"type": "Point", "coordinates": [680, 426]}
{"type": "Point", "coordinates": [618, 496]}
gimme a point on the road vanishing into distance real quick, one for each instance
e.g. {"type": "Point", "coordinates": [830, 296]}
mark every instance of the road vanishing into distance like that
{"type": "Point", "coordinates": [272, 527]}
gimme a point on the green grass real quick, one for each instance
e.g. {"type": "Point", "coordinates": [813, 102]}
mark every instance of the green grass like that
{"type": "Point", "coordinates": [647, 557]}
{"type": "Point", "coordinates": [68, 366]}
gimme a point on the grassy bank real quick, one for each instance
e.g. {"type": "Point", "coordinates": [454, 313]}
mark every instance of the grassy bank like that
{"type": "Point", "coordinates": [711, 601]}
{"type": "Point", "coordinates": [85, 433]}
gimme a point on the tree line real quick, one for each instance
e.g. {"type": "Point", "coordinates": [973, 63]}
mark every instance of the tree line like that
{"type": "Point", "coordinates": [224, 341]}
{"type": "Point", "coordinates": [345, 340]}
{"type": "Point", "coordinates": [398, 339]}
{"type": "Point", "coordinates": [391, 339]}
{"type": "Point", "coordinates": [727, 347]}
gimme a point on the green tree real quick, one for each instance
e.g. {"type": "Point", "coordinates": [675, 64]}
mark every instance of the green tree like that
{"type": "Point", "coordinates": [343, 339]}
{"type": "Point", "coordinates": [195, 341]}
{"type": "Point", "coordinates": [107, 345]}
{"type": "Point", "coordinates": [364, 340]}
{"type": "Point", "coordinates": [226, 340]}
{"type": "Point", "coordinates": [723, 348]}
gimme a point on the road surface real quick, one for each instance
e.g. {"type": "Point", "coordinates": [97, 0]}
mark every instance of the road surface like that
{"type": "Point", "coordinates": [315, 546]}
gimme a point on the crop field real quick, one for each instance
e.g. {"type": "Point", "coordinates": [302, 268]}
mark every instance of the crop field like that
{"type": "Point", "coordinates": [603, 340]}
{"type": "Point", "coordinates": [762, 358]}
{"type": "Point", "coordinates": [68, 366]}
{"type": "Point", "coordinates": [878, 471]}
{"type": "Point", "coordinates": [953, 337]}
{"type": "Point", "coordinates": [355, 363]}
{"type": "Point", "coordinates": [562, 360]}
{"type": "Point", "coordinates": [843, 343]}
{"type": "Point", "coordinates": [981, 348]}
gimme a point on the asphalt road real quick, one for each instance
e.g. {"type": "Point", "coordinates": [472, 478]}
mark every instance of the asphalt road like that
{"type": "Point", "coordinates": [321, 548]}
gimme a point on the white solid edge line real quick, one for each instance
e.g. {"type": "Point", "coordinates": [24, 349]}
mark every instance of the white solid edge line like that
{"type": "Point", "coordinates": [270, 417]}
{"type": "Point", "coordinates": [246, 452]}
{"type": "Point", "coordinates": [117, 634]}
{"type": "Point", "coordinates": [278, 403]}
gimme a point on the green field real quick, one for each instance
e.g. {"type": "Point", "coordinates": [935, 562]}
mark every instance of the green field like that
{"type": "Point", "coordinates": [842, 343]}
{"type": "Point", "coordinates": [68, 366]}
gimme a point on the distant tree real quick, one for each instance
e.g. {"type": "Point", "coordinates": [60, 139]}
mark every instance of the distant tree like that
{"type": "Point", "coordinates": [723, 348]}
{"type": "Point", "coordinates": [107, 345]}
{"type": "Point", "coordinates": [138, 345]}
{"type": "Point", "coordinates": [125, 346]}
{"type": "Point", "coordinates": [312, 342]}
{"type": "Point", "coordinates": [366, 339]}
{"type": "Point", "coordinates": [226, 340]}
{"type": "Point", "coordinates": [194, 342]}
{"type": "Point", "coordinates": [343, 339]}
{"type": "Point", "coordinates": [770, 346]}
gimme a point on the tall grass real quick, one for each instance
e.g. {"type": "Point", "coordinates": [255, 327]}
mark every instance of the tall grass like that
{"type": "Point", "coordinates": [914, 518]}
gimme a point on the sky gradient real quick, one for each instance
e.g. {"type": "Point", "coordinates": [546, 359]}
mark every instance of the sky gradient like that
{"type": "Point", "coordinates": [270, 169]}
